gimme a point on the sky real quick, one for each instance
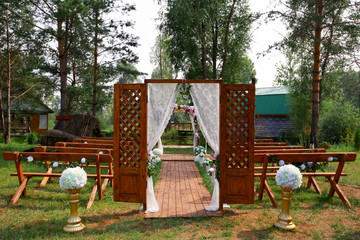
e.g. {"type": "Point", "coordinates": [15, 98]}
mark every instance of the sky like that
{"type": "Point", "coordinates": [263, 36]}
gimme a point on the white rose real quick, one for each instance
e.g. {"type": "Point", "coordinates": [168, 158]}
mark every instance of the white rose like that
{"type": "Point", "coordinates": [330, 159]}
{"type": "Point", "coordinates": [55, 164]}
{"type": "Point", "coordinates": [30, 159]}
{"type": "Point", "coordinates": [85, 142]}
{"type": "Point", "coordinates": [83, 160]}
{"type": "Point", "coordinates": [302, 166]}
{"type": "Point", "coordinates": [281, 163]}
{"type": "Point", "coordinates": [101, 152]}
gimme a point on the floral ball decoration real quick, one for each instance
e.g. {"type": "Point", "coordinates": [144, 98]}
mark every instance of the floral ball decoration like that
{"type": "Point", "coordinates": [288, 176]}
{"type": "Point", "coordinates": [157, 151]}
{"type": "Point", "coordinates": [73, 178]}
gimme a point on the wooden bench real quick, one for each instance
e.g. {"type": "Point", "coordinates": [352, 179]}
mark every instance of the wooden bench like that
{"type": "Point", "coordinates": [56, 157]}
{"type": "Point", "coordinates": [316, 157]}
{"type": "Point", "coordinates": [79, 150]}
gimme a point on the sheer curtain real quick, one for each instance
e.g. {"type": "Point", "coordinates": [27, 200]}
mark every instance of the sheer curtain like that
{"type": "Point", "coordinates": [195, 130]}
{"type": "Point", "coordinates": [207, 104]}
{"type": "Point", "coordinates": [161, 101]}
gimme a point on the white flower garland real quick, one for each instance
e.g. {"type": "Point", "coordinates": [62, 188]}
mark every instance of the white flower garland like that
{"type": "Point", "coordinates": [73, 178]}
{"type": "Point", "coordinates": [288, 176]}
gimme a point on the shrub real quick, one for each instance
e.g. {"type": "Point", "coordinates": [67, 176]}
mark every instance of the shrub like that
{"type": "Point", "coordinates": [32, 138]}
{"type": "Point", "coordinates": [357, 140]}
{"type": "Point", "coordinates": [338, 119]}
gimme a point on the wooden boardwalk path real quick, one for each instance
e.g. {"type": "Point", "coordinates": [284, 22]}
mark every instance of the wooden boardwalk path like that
{"type": "Point", "coordinates": [180, 192]}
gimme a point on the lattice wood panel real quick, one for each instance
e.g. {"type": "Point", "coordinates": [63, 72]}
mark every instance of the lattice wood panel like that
{"type": "Point", "coordinates": [237, 143]}
{"type": "Point", "coordinates": [129, 123]}
{"type": "Point", "coordinates": [237, 128]}
{"type": "Point", "coordinates": [130, 134]}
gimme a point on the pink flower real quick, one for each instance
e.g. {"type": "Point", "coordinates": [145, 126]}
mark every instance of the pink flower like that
{"type": "Point", "coordinates": [151, 154]}
{"type": "Point", "coordinates": [196, 135]}
{"type": "Point", "coordinates": [215, 155]}
{"type": "Point", "coordinates": [212, 170]}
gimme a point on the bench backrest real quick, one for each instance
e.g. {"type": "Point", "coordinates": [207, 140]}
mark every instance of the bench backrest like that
{"type": "Point", "coordinates": [83, 145]}
{"type": "Point", "coordinates": [286, 150]}
{"type": "Point", "coordinates": [81, 140]}
{"type": "Point", "coordinates": [71, 149]}
{"type": "Point", "coordinates": [58, 157]}
{"type": "Point", "coordinates": [307, 157]}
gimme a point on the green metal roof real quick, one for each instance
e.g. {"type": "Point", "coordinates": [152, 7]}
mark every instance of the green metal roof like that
{"type": "Point", "coordinates": [28, 105]}
{"type": "Point", "coordinates": [271, 100]}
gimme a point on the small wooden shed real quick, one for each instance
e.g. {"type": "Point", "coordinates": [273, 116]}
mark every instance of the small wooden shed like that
{"type": "Point", "coordinates": [28, 114]}
{"type": "Point", "coordinates": [272, 107]}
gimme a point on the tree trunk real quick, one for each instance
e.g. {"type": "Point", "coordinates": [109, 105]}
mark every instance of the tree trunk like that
{"type": "Point", "coordinates": [63, 65]}
{"type": "Point", "coordinates": [203, 51]}
{"type": "Point", "coordinates": [8, 85]}
{"type": "Point", "coordinates": [316, 77]}
{"type": "Point", "coordinates": [215, 49]}
{"type": "Point", "coordinates": [94, 103]}
{"type": "Point", "coordinates": [227, 32]}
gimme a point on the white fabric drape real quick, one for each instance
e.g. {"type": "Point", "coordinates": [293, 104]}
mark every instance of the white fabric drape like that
{"type": "Point", "coordinates": [161, 101]}
{"type": "Point", "coordinates": [151, 203]}
{"type": "Point", "coordinates": [206, 101]}
{"type": "Point", "coordinates": [195, 130]}
{"type": "Point", "coordinates": [160, 146]}
{"type": "Point", "coordinates": [207, 104]}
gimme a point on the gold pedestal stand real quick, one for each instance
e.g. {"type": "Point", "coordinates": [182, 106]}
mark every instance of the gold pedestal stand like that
{"type": "Point", "coordinates": [74, 222]}
{"type": "Point", "coordinates": [285, 220]}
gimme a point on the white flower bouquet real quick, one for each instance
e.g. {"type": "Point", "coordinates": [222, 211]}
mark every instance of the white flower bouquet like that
{"type": "Point", "coordinates": [73, 178]}
{"type": "Point", "coordinates": [157, 151]}
{"type": "Point", "coordinates": [288, 176]}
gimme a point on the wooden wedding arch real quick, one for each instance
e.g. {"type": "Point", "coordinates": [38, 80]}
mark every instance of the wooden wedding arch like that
{"type": "Point", "coordinates": [237, 104]}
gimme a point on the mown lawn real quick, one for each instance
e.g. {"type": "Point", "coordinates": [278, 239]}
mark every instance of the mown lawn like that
{"type": "Point", "coordinates": [43, 213]}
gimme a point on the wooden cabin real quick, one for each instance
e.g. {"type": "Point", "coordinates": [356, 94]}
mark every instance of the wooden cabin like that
{"type": "Point", "coordinates": [27, 115]}
{"type": "Point", "coordinates": [272, 106]}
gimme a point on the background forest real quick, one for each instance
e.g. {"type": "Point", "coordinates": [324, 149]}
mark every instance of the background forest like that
{"type": "Point", "coordinates": [69, 53]}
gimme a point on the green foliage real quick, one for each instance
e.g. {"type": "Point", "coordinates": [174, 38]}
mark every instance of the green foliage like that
{"type": "Point", "coordinates": [209, 39]}
{"type": "Point", "coordinates": [338, 121]}
{"type": "Point", "coordinates": [33, 137]}
{"type": "Point", "coordinates": [289, 136]}
{"type": "Point", "coordinates": [357, 140]}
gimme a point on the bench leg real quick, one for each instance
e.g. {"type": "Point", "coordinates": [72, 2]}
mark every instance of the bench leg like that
{"type": "Point", "coordinates": [19, 191]}
{"type": "Point", "coordinates": [271, 195]}
{"type": "Point", "coordinates": [92, 196]}
{"type": "Point", "coordinates": [45, 179]}
{"type": "Point", "coordinates": [312, 181]}
{"type": "Point", "coordinates": [340, 193]}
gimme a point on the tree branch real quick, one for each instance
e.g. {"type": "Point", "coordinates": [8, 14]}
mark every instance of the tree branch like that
{"type": "Point", "coordinates": [42, 10]}
{"type": "Point", "coordinates": [16, 98]}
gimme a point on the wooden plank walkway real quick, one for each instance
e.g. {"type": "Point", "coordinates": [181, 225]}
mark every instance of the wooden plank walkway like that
{"type": "Point", "coordinates": [181, 157]}
{"type": "Point", "coordinates": [181, 192]}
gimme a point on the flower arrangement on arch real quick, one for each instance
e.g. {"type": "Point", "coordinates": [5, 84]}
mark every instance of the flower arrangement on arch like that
{"type": "Point", "coordinates": [73, 178]}
{"type": "Point", "coordinates": [153, 164]}
{"type": "Point", "coordinates": [200, 150]}
{"type": "Point", "coordinates": [288, 176]}
{"type": "Point", "coordinates": [185, 109]}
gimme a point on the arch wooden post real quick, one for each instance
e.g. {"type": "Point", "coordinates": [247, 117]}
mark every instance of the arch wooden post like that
{"type": "Point", "coordinates": [237, 103]}
{"type": "Point", "coordinates": [130, 141]}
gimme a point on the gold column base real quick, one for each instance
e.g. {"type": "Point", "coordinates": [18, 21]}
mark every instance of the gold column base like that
{"type": "Point", "coordinates": [285, 220]}
{"type": "Point", "coordinates": [74, 222]}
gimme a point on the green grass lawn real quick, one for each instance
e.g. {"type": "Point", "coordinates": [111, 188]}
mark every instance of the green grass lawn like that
{"type": "Point", "coordinates": [43, 213]}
